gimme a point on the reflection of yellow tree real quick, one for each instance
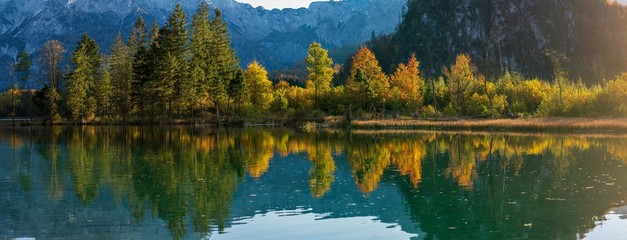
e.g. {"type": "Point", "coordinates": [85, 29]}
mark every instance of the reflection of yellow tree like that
{"type": "Point", "coordinates": [322, 173]}
{"type": "Point", "coordinates": [260, 151]}
{"type": "Point", "coordinates": [462, 161]}
{"type": "Point", "coordinates": [369, 161]}
{"type": "Point", "coordinates": [407, 156]}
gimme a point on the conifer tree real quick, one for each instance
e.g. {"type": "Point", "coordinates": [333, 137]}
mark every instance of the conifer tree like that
{"type": "Point", "coordinates": [81, 89]}
{"type": "Point", "coordinates": [173, 52]}
{"type": "Point", "coordinates": [78, 84]}
{"type": "Point", "coordinates": [142, 73]}
{"type": "Point", "coordinates": [138, 36]}
{"type": "Point", "coordinates": [104, 93]}
{"type": "Point", "coordinates": [320, 72]}
{"type": "Point", "coordinates": [121, 71]}
{"type": "Point", "coordinates": [200, 59]}
{"type": "Point", "coordinates": [224, 65]}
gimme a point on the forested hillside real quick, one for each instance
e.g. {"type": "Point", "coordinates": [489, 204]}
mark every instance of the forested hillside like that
{"type": "Point", "coordinates": [512, 36]}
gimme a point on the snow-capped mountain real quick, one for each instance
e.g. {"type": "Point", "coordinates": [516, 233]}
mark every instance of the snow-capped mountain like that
{"type": "Point", "coordinates": [276, 38]}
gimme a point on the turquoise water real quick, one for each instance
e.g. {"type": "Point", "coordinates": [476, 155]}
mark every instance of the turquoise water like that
{"type": "Point", "coordinates": [184, 183]}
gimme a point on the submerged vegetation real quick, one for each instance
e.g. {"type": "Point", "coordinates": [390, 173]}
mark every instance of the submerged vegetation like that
{"type": "Point", "coordinates": [191, 74]}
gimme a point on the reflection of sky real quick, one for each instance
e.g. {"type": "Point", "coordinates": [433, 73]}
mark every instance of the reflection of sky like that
{"type": "Point", "coordinates": [302, 224]}
{"type": "Point", "coordinates": [611, 228]}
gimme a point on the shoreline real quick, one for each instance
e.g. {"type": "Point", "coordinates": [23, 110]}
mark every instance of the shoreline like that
{"type": "Point", "coordinates": [524, 124]}
{"type": "Point", "coordinates": [548, 125]}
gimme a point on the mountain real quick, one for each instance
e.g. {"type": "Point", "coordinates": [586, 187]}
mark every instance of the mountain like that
{"type": "Point", "coordinates": [276, 38]}
{"type": "Point", "coordinates": [588, 35]}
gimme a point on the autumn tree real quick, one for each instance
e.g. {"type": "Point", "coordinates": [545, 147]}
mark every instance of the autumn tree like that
{"type": "Point", "coordinates": [258, 86]}
{"type": "Point", "coordinates": [320, 72]}
{"type": "Point", "coordinates": [367, 83]}
{"type": "Point", "coordinates": [405, 86]}
{"type": "Point", "coordinates": [461, 78]}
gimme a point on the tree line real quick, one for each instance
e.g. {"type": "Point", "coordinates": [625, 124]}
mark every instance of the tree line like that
{"type": "Point", "coordinates": [175, 72]}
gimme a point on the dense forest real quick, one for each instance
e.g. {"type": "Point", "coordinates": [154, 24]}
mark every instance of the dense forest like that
{"type": "Point", "coordinates": [189, 72]}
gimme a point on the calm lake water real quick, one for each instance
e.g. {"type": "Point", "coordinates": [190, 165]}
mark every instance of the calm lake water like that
{"type": "Point", "coordinates": [184, 183]}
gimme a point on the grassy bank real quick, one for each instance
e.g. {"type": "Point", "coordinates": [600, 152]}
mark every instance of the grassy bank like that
{"type": "Point", "coordinates": [529, 124]}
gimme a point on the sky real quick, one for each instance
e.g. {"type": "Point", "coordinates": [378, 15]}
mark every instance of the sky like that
{"type": "Point", "coordinates": [270, 4]}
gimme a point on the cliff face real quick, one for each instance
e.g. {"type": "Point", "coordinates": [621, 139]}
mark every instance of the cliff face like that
{"type": "Point", "coordinates": [514, 36]}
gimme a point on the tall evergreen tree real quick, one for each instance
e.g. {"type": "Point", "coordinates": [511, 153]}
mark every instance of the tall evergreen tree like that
{"type": "Point", "coordinates": [104, 93]}
{"type": "Point", "coordinates": [224, 64]}
{"type": "Point", "coordinates": [78, 85]}
{"type": "Point", "coordinates": [138, 36]}
{"type": "Point", "coordinates": [173, 52]}
{"type": "Point", "coordinates": [81, 90]}
{"type": "Point", "coordinates": [200, 57]}
{"type": "Point", "coordinates": [142, 73]}
{"type": "Point", "coordinates": [121, 70]}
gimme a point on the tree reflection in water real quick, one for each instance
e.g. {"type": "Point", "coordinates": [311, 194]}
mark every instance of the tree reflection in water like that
{"type": "Point", "coordinates": [455, 185]}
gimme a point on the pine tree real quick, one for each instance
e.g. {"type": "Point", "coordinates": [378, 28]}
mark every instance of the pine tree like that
{"type": "Point", "coordinates": [82, 81]}
{"type": "Point", "coordinates": [224, 65]}
{"type": "Point", "coordinates": [138, 36]}
{"type": "Point", "coordinates": [173, 41]}
{"type": "Point", "coordinates": [320, 72]}
{"type": "Point", "coordinates": [200, 57]}
{"type": "Point", "coordinates": [142, 74]}
{"type": "Point", "coordinates": [121, 71]}
{"type": "Point", "coordinates": [78, 85]}
{"type": "Point", "coordinates": [104, 93]}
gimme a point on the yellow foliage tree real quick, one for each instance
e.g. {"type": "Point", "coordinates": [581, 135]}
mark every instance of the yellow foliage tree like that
{"type": "Point", "coordinates": [258, 86]}
{"type": "Point", "coordinates": [461, 78]}
{"type": "Point", "coordinates": [405, 85]}
{"type": "Point", "coordinates": [367, 85]}
{"type": "Point", "coordinates": [320, 72]}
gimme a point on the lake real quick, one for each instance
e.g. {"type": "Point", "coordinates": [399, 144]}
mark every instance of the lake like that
{"type": "Point", "coordinates": [204, 183]}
